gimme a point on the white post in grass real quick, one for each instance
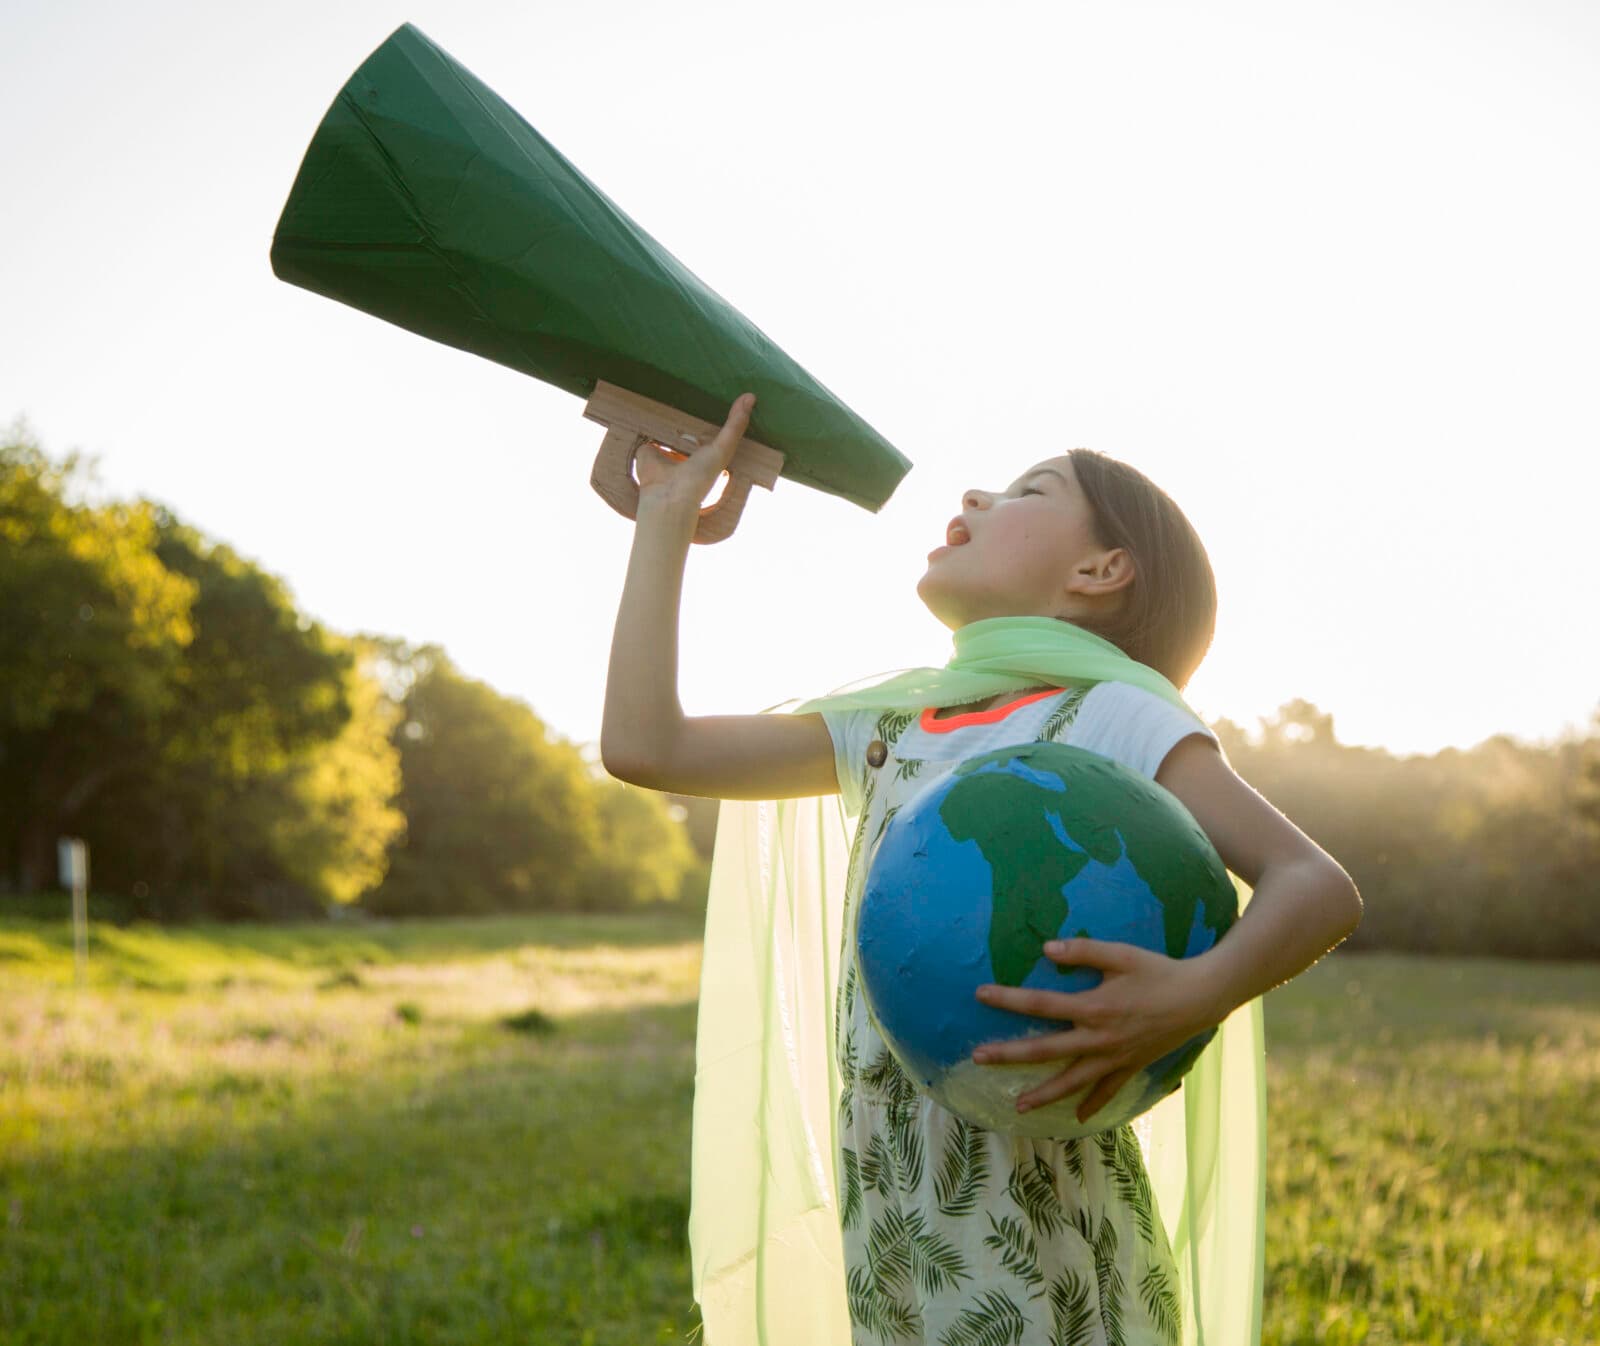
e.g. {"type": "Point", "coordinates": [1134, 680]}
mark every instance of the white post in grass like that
{"type": "Point", "coordinates": [72, 859]}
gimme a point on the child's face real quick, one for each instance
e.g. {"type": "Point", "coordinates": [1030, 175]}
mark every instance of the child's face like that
{"type": "Point", "coordinates": [1029, 551]}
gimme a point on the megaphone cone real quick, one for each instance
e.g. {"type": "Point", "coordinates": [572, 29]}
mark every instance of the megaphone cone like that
{"type": "Point", "coordinates": [426, 200]}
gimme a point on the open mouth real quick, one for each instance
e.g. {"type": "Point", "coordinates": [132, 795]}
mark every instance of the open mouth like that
{"type": "Point", "coordinates": [956, 535]}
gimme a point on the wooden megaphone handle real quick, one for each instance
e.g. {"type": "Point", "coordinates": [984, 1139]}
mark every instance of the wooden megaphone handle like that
{"type": "Point", "coordinates": [632, 420]}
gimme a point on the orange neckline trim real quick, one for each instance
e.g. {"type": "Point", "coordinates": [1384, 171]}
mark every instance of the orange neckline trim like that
{"type": "Point", "coordinates": [972, 717]}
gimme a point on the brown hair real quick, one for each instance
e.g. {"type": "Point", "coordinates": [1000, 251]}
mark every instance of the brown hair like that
{"type": "Point", "coordinates": [1169, 612]}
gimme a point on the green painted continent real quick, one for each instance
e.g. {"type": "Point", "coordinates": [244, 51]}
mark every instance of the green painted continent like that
{"type": "Point", "coordinates": [1103, 807]}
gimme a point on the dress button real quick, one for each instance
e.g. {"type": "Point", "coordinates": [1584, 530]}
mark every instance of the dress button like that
{"type": "Point", "coordinates": [877, 752]}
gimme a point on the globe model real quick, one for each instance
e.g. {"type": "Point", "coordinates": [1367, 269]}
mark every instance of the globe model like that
{"type": "Point", "coordinates": [1017, 846]}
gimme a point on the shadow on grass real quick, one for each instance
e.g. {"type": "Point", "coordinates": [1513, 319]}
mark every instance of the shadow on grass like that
{"type": "Point", "coordinates": [500, 1188]}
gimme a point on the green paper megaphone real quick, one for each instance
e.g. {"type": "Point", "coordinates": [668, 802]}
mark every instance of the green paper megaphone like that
{"type": "Point", "coordinates": [426, 200]}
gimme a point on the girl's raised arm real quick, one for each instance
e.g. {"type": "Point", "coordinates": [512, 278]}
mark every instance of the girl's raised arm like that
{"type": "Point", "coordinates": [645, 738]}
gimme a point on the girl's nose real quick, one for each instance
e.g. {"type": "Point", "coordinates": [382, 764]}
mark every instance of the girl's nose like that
{"type": "Point", "coordinates": [975, 500]}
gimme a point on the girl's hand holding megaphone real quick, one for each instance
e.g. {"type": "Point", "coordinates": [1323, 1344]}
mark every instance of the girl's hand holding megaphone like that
{"type": "Point", "coordinates": [674, 482]}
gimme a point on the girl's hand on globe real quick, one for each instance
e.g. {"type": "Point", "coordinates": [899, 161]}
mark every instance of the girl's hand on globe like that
{"type": "Point", "coordinates": [1145, 1006]}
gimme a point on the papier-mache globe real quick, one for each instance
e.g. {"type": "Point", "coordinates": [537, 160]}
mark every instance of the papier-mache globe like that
{"type": "Point", "coordinates": [1024, 844]}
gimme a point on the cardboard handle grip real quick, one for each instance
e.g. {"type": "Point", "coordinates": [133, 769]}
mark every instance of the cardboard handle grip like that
{"type": "Point", "coordinates": [613, 479]}
{"type": "Point", "coordinates": [632, 421]}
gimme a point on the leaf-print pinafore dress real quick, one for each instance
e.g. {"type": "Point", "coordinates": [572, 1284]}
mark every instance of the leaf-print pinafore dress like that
{"type": "Point", "coordinates": [955, 1235]}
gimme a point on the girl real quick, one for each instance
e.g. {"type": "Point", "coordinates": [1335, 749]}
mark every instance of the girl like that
{"type": "Point", "coordinates": [1080, 599]}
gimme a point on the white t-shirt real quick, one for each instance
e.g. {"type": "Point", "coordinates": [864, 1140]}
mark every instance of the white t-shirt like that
{"type": "Point", "coordinates": [1116, 720]}
{"type": "Point", "coordinates": [947, 1227]}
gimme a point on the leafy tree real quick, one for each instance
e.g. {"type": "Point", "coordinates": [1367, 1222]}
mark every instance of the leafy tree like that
{"type": "Point", "coordinates": [1491, 851]}
{"type": "Point", "coordinates": [335, 838]}
{"type": "Point", "coordinates": [290, 839]}
{"type": "Point", "coordinates": [503, 815]}
{"type": "Point", "coordinates": [93, 629]}
{"type": "Point", "coordinates": [499, 814]}
{"type": "Point", "coordinates": [645, 855]}
{"type": "Point", "coordinates": [224, 754]}
{"type": "Point", "coordinates": [699, 816]}
{"type": "Point", "coordinates": [164, 698]}
{"type": "Point", "coordinates": [261, 681]}
{"type": "Point", "coordinates": [327, 816]}
{"type": "Point", "coordinates": [265, 788]}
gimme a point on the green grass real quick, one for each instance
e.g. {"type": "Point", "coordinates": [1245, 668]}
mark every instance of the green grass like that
{"type": "Point", "coordinates": [1432, 1126]}
{"type": "Point", "coordinates": [207, 1146]}
{"type": "Point", "coordinates": [478, 1131]}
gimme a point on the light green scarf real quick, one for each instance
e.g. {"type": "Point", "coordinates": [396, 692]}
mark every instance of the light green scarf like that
{"type": "Point", "coordinates": [1002, 654]}
{"type": "Point", "coordinates": [766, 1250]}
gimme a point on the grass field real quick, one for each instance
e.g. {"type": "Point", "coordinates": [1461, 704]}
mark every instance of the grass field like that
{"type": "Point", "coordinates": [478, 1132]}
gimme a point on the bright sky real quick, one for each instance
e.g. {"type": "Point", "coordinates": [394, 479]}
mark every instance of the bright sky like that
{"type": "Point", "coordinates": [1328, 274]}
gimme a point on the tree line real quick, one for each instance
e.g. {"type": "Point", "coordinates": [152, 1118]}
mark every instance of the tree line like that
{"type": "Point", "coordinates": [1492, 850]}
{"type": "Point", "coordinates": [225, 755]}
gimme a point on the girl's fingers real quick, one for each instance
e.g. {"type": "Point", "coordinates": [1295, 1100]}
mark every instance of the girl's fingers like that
{"type": "Point", "coordinates": [1093, 1075]}
{"type": "Point", "coordinates": [1046, 1047]}
{"type": "Point", "coordinates": [739, 413]}
{"type": "Point", "coordinates": [1057, 1086]}
{"type": "Point", "coordinates": [695, 472]}
{"type": "Point", "coordinates": [1042, 1004]}
{"type": "Point", "coordinates": [1107, 955]}
{"type": "Point", "coordinates": [1103, 1093]}
{"type": "Point", "coordinates": [726, 443]}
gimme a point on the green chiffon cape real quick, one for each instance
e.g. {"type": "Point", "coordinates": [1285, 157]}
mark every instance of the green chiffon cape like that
{"type": "Point", "coordinates": [765, 1244]}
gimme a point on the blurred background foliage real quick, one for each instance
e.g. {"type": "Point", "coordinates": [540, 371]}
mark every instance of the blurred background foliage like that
{"type": "Point", "coordinates": [226, 756]}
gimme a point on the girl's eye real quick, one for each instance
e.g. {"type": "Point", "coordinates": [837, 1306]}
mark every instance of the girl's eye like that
{"type": "Point", "coordinates": [1029, 490]}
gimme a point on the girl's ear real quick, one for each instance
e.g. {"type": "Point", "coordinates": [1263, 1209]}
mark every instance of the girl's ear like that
{"type": "Point", "coordinates": [1103, 573]}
